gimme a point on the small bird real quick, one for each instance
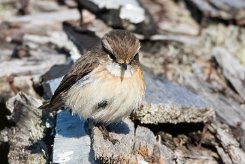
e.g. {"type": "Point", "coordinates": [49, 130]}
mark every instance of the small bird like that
{"type": "Point", "coordinates": [106, 83]}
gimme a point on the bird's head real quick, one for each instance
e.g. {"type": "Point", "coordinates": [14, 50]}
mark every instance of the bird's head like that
{"type": "Point", "coordinates": [122, 47]}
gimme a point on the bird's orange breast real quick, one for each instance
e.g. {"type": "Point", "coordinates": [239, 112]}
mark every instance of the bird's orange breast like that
{"type": "Point", "coordinates": [134, 82]}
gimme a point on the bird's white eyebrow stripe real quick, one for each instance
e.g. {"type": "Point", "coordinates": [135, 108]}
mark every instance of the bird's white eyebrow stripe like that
{"type": "Point", "coordinates": [106, 45]}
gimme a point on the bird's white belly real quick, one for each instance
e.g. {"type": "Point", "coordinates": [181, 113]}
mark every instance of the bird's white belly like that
{"type": "Point", "coordinates": [122, 97]}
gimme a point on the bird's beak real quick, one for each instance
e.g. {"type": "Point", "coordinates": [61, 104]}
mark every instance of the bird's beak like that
{"type": "Point", "coordinates": [123, 68]}
{"type": "Point", "coordinates": [124, 65]}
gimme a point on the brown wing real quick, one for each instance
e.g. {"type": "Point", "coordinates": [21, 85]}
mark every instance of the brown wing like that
{"type": "Point", "coordinates": [85, 64]}
{"type": "Point", "coordinates": [82, 67]}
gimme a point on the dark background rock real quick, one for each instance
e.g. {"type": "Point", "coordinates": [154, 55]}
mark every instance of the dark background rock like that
{"type": "Point", "coordinates": [112, 18]}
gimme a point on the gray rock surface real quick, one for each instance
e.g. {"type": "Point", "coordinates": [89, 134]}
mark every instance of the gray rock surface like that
{"type": "Point", "coordinates": [71, 143]}
{"type": "Point", "coordinates": [166, 102]}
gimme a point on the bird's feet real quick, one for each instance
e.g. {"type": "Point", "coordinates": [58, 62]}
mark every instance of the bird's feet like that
{"type": "Point", "coordinates": [88, 126]}
{"type": "Point", "coordinates": [106, 134]}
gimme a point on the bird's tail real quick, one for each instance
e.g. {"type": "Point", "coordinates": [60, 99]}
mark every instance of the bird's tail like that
{"type": "Point", "coordinates": [51, 106]}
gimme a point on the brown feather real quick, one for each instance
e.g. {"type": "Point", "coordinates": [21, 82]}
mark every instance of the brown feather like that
{"type": "Point", "coordinates": [122, 44]}
{"type": "Point", "coordinates": [85, 64]}
{"type": "Point", "coordinates": [82, 67]}
{"type": "Point", "coordinates": [54, 106]}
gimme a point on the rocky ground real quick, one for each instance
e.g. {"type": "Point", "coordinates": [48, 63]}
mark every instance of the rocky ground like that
{"type": "Point", "coordinates": [193, 56]}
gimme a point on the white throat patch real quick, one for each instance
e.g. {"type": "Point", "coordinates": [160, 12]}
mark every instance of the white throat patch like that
{"type": "Point", "coordinates": [115, 69]}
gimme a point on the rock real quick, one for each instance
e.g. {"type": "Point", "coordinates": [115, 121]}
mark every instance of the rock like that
{"type": "Point", "coordinates": [134, 145]}
{"type": "Point", "coordinates": [233, 70]}
{"type": "Point", "coordinates": [36, 64]}
{"type": "Point", "coordinates": [106, 152]}
{"type": "Point", "coordinates": [24, 139]}
{"type": "Point", "coordinates": [71, 134]}
{"type": "Point", "coordinates": [71, 143]}
{"type": "Point", "coordinates": [45, 18]}
{"type": "Point", "coordinates": [222, 9]}
{"type": "Point", "coordinates": [172, 17]}
{"type": "Point", "coordinates": [130, 15]}
{"type": "Point", "coordinates": [168, 103]}
{"type": "Point", "coordinates": [88, 39]}
{"type": "Point", "coordinates": [229, 144]}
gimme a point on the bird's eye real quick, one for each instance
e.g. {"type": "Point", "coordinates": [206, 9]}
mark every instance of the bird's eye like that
{"type": "Point", "coordinates": [112, 56]}
{"type": "Point", "coordinates": [136, 56]}
{"type": "Point", "coordinates": [109, 54]}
